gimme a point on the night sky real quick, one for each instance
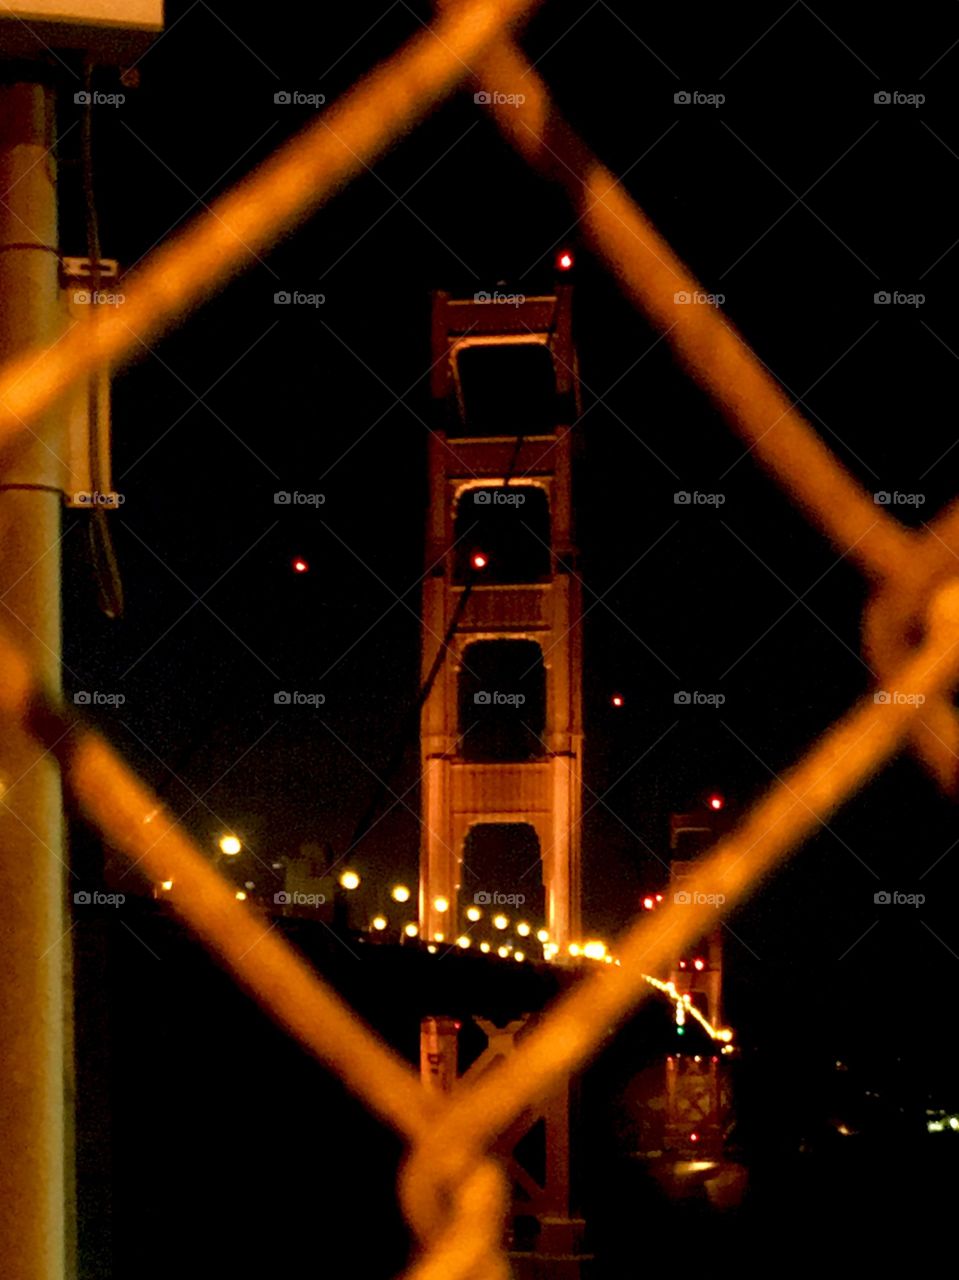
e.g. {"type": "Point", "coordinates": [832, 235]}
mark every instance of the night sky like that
{"type": "Point", "coordinates": [798, 199]}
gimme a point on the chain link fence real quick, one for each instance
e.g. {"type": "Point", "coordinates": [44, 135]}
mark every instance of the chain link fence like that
{"type": "Point", "coordinates": [453, 1193]}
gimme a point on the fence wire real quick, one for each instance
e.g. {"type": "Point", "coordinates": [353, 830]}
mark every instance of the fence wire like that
{"type": "Point", "coordinates": [453, 1193]}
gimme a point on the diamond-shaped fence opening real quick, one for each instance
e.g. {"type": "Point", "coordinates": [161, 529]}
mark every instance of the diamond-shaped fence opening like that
{"type": "Point", "coordinates": [454, 1195]}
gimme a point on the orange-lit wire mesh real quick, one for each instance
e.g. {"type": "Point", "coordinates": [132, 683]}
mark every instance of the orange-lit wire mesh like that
{"type": "Point", "coordinates": [453, 1193]}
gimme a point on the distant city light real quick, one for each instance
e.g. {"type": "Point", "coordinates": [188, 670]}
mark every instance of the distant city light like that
{"type": "Point", "coordinates": [400, 893]}
{"type": "Point", "coordinates": [519, 956]}
{"type": "Point", "coordinates": [463, 941]}
{"type": "Point", "coordinates": [479, 560]}
{"type": "Point", "coordinates": [166, 885]}
{"type": "Point", "coordinates": [431, 949]}
{"type": "Point", "coordinates": [300, 565]}
{"type": "Point", "coordinates": [716, 801]}
{"type": "Point", "coordinates": [240, 896]}
{"type": "Point", "coordinates": [574, 949]}
{"type": "Point", "coordinates": [474, 914]}
{"type": "Point", "coordinates": [411, 930]}
{"type": "Point", "coordinates": [230, 845]}
{"type": "Point", "coordinates": [542, 935]}
{"type": "Point", "coordinates": [439, 937]}
{"type": "Point", "coordinates": [350, 880]}
{"type": "Point", "coordinates": [523, 929]}
{"type": "Point", "coordinates": [484, 947]}
{"type": "Point", "coordinates": [500, 922]}
{"type": "Point", "coordinates": [595, 950]}
{"type": "Point", "coordinates": [699, 964]}
{"type": "Point", "coordinates": [502, 952]}
{"type": "Point", "coordinates": [564, 260]}
{"type": "Point", "coordinates": [649, 903]}
{"type": "Point", "coordinates": [617, 699]}
{"type": "Point", "coordinates": [441, 904]}
{"type": "Point", "coordinates": [379, 923]}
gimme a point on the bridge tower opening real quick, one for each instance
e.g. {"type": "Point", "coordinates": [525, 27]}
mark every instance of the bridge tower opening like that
{"type": "Point", "coordinates": [501, 729]}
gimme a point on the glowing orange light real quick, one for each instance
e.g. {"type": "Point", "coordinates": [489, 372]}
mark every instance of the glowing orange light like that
{"type": "Point", "coordinates": [694, 1137]}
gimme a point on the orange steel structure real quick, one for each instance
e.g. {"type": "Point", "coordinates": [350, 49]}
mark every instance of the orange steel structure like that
{"type": "Point", "coordinates": [545, 792]}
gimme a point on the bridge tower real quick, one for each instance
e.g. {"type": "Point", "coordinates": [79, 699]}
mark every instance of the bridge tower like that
{"type": "Point", "coordinates": [501, 728]}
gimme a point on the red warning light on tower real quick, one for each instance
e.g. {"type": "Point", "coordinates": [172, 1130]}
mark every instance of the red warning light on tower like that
{"type": "Point", "coordinates": [716, 802]}
{"type": "Point", "coordinates": [300, 565]}
{"type": "Point", "coordinates": [479, 560]}
{"type": "Point", "coordinates": [649, 903]}
{"type": "Point", "coordinates": [617, 700]}
{"type": "Point", "coordinates": [564, 260]}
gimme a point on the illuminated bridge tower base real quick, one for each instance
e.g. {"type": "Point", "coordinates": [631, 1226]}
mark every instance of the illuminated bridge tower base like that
{"type": "Point", "coordinates": [506, 394]}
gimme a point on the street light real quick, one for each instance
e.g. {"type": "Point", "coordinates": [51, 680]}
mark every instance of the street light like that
{"type": "Point", "coordinates": [230, 845]}
{"type": "Point", "coordinates": [379, 923]}
{"type": "Point", "coordinates": [400, 893]}
{"type": "Point", "coordinates": [349, 880]}
{"type": "Point", "coordinates": [474, 914]}
{"type": "Point", "coordinates": [500, 922]}
{"type": "Point", "coordinates": [441, 904]}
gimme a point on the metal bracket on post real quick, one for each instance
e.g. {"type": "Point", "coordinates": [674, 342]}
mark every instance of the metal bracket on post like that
{"type": "Point", "coordinates": [87, 407]}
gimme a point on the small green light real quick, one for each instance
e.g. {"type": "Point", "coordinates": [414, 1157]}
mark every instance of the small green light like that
{"type": "Point", "coordinates": [680, 1031]}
